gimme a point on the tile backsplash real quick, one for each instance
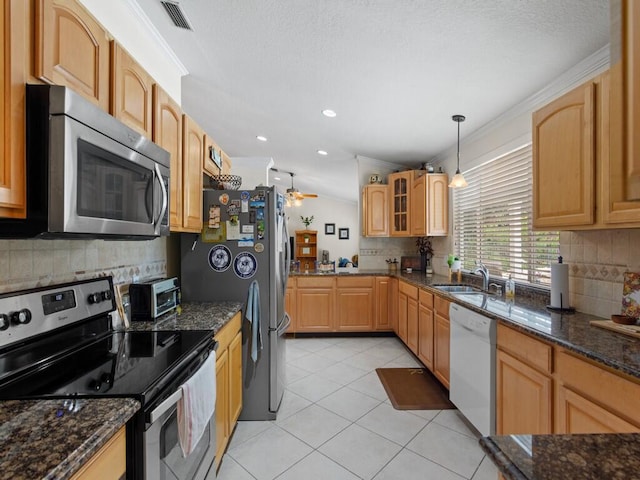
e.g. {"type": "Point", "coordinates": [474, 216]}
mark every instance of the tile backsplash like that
{"type": "Point", "coordinates": [597, 261]}
{"type": "Point", "coordinates": [34, 263]}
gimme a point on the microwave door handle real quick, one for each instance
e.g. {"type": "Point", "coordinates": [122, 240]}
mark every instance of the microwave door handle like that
{"type": "Point", "coordinates": [165, 200]}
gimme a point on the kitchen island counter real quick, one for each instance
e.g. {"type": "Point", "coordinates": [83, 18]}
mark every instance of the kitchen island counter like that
{"type": "Point", "coordinates": [53, 439]}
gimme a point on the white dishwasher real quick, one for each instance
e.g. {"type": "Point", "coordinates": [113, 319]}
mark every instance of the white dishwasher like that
{"type": "Point", "coordinates": [472, 380]}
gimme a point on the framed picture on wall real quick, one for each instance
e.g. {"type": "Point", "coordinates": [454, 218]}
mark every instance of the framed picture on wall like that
{"type": "Point", "coordinates": [343, 234]}
{"type": "Point", "coordinates": [329, 228]}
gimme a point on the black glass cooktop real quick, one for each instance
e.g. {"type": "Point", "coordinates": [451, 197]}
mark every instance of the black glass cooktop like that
{"type": "Point", "coordinates": [113, 364]}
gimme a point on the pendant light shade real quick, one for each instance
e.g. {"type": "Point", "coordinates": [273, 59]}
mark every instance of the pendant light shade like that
{"type": "Point", "coordinates": [458, 180]}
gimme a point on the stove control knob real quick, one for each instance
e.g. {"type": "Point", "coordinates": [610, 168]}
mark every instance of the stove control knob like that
{"type": "Point", "coordinates": [21, 317]}
{"type": "Point", "coordinates": [94, 298]}
{"type": "Point", "coordinates": [4, 321]}
{"type": "Point", "coordinates": [95, 385]}
{"type": "Point", "coordinates": [106, 295]}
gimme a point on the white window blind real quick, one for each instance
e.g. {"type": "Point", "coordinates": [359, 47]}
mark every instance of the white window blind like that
{"type": "Point", "coordinates": [493, 221]}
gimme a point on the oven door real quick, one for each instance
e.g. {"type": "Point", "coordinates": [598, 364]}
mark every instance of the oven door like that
{"type": "Point", "coordinates": [99, 186]}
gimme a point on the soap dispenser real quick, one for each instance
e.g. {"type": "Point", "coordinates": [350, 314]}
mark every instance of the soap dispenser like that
{"type": "Point", "coordinates": [510, 288]}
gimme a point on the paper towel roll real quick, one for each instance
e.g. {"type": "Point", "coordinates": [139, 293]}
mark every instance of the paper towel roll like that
{"type": "Point", "coordinates": [560, 285]}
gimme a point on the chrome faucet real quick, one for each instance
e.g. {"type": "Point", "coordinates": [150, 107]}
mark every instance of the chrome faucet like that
{"type": "Point", "coordinates": [482, 270]}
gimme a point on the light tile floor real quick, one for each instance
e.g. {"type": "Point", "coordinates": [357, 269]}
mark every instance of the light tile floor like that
{"type": "Point", "coordinates": [336, 422]}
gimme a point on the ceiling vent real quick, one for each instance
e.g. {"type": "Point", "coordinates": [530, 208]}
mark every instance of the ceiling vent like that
{"type": "Point", "coordinates": [177, 15]}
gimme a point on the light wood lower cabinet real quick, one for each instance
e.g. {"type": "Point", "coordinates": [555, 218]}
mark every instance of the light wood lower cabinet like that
{"type": "Point", "coordinates": [441, 341]}
{"type": "Point", "coordinates": [425, 329]}
{"type": "Point", "coordinates": [382, 302]}
{"type": "Point", "coordinates": [315, 298]}
{"type": "Point", "coordinates": [408, 314]}
{"type": "Point", "coordinates": [355, 306]}
{"type": "Point", "coordinates": [290, 303]}
{"type": "Point", "coordinates": [228, 382]}
{"type": "Point", "coordinates": [109, 463]}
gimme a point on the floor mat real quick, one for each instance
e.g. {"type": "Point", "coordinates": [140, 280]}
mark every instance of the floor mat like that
{"type": "Point", "coordinates": [414, 389]}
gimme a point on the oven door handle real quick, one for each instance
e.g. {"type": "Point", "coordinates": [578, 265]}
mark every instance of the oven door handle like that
{"type": "Point", "coordinates": [165, 406]}
{"type": "Point", "coordinates": [165, 201]}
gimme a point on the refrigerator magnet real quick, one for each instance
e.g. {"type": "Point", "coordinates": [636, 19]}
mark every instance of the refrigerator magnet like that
{"type": "Point", "coordinates": [214, 216]}
{"type": "Point", "coordinates": [259, 248]}
{"type": "Point", "coordinates": [245, 265]}
{"type": "Point", "coordinates": [224, 198]}
{"type": "Point", "coordinates": [219, 258]}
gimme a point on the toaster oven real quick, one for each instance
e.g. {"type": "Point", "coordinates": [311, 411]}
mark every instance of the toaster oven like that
{"type": "Point", "coordinates": [153, 298]}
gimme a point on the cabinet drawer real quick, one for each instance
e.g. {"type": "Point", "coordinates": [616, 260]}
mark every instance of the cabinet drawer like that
{"type": "Point", "coordinates": [532, 351]}
{"type": "Point", "coordinates": [355, 282]}
{"type": "Point", "coordinates": [409, 290]}
{"type": "Point", "coordinates": [315, 282]}
{"type": "Point", "coordinates": [426, 299]}
{"type": "Point", "coordinates": [442, 305]}
{"type": "Point", "coordinates": [228, 332]}
{"type": "Point", "coordinates": [615, 393]}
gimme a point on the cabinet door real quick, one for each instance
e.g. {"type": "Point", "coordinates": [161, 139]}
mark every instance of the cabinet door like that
{"type": "Point", "coordinates": [412, 324]}
{"type": "Point", "coordinates": [315, 309]}
{"type": "Point", "coordinates": [403, 305]}
{"type": "Point", "coordinates": [14, 31]}
{"type": "Point", "coordinates": [425, 336]}
{"type": "Point", "coordinates": [167, 132]}
{"type": "Point", "coordinates": [520, 388]}
{"type": "Point", "coordinates": [72, 49]}
{"type": "Point", "coordinates": [437, 205]}
{"type": "Point", "coordinates": [290, 304]}
{"type": "Point", "coordinates": [355, 309]}
{"type": "Point", "coordinates": [109, 463]}
{"type": "Point", "coordinates": [393, 303]}
{"type": "Point", "coordinates": [631, 69]}
{"type": "Point", "coordinates": [400, 204]}
{"type": "Point", "coordinates": [192, 153]}
{"type": "Point", "coordinates": [235, 380]}
{"type": "Point", "coordinates": [382, 301]}
{"type": "Point", "coordinates": [564, 161]}
{"type": "Point", "coordinates": [441, 350]}
{"type": "Point", "coordinates": [375, 211]}
{"type": "Point", "coordinates": [222, 404]}
{"type": "Point", "coordinates": [419, 207]}
{"type": "Point", "coordinates": [131, 91]}
{"type": "Point", "coordinates": [577, 414]}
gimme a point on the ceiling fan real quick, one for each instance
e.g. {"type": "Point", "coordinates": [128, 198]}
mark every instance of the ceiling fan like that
{"type": "Point", "coordinates": [293, 196]}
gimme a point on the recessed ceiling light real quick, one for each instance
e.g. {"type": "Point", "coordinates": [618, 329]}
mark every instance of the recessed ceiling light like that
{"type": "Point", "coordinates": [329, 113]}
{"type": "Point", "coordinates": [262, 138]}
{"type": "Point", "coordinates": [322, 152]}
{"type": "Point", "coordinates": [276, 178]}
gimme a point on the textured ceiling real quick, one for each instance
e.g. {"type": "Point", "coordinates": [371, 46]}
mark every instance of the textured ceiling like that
{"type": "Point", "coordinates": [394, 70]}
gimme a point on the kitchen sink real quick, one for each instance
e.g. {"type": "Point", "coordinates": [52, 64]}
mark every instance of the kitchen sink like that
{"type": "Point", "coordinates": [458, 288]}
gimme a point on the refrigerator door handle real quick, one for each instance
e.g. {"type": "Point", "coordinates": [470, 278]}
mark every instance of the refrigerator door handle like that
{"type": "Point", "coordinates": [283, 325]}
{"type": "Point", "coordinates": [287, 258]}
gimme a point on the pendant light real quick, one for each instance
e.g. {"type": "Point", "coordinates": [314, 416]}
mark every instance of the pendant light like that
{"type": "Point", "coordinates": [458, 180]}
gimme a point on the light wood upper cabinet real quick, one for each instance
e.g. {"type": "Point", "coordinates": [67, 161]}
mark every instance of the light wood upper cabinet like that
{"type": "Point", "coordinates": [400, 186]}
{"type": "Point", "coordinates": [14, 32]}
{"type": "Point", "coordinates": [564, 160]}
{"type": "Point", "coordinates": [375, 211]}
{"type": "Point", "coordinates": [630, 41]}
{"type": "Point", "coordinates": [72, 49]}
{"type": "Point", "coordinates": [131, 91]}
{"type": "Point", "coordinates": [192, 153]}
{"type": "Point", "coordinates": [167, 132]}
{"type": "Point", "coordinates": [430, 205]}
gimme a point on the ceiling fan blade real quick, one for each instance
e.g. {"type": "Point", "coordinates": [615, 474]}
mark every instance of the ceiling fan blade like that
{"type": "Point", "coordinates": [309, 195]}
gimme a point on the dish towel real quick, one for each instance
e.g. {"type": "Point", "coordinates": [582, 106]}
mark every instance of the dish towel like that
{"type": "Point", "coordinates": [197, 405]}
{"type": "Point", "coordinates": [252, 314]}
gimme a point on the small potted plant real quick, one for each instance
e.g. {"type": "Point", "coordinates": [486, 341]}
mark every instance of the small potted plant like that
{"type": "Point", "coordinates": [307, 221]}
{"type": "Point", "coordinates": [425, 249]}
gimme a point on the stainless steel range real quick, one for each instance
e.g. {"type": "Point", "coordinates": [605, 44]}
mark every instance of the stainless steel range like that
{"type": "Point", "coordinates": [57, 342]}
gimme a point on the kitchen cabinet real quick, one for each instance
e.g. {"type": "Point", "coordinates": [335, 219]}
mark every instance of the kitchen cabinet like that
{"type": "Point", "coordinates": [408, 314]}
{"type": "Point", "coordinates": [108, 463]}
{"type": "Point", "coordinates": [425, 328]}
{"type": "Point", "coordinates": [192, 153]}
{"type": "Point", "coordinates": [306, 244]}
{"type": "Point", "coordinates": [167, 132]}
{"type": "Point", "coordinates": [430, 205]}
{"type": "Point", "coordinates": [393, 303]}
{"type": "Point", "coordinates": [355, 306]}
{"type": "Point", "coordinates": [131, 91]}
{"type": "Point", "coordinates": [290, 303]}
{"type": "Point", "coordinates": [590, 399]}
{"type": "Point", "coordinates": [441, 340]}
{"type": "Point", "coordinates": [375, 211]}
{"type": "Point", "coordinates": [315, 304]}
{"type": "Point", "coordinates": [523, 384]}
{"type": "Point", "coordinates": [14, 41]}
{"type": "Point", "coordinates": [400, 185]}
{"type": "Point", "coordinates": [208, 165]}
{"type": "Point", "coordinates": [72, 49]}
{"type": "Point", "coordinates": [382, 301]}
{"type": "Point", "coordinates": [228, 382]}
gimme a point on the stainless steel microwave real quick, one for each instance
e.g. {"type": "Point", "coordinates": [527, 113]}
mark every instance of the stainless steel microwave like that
{"type": "Point", "coordinates": [88, 174]}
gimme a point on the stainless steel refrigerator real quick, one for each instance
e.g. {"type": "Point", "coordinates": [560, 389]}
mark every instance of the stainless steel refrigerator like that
{"type": "Point", "coordinates": [245, 239]}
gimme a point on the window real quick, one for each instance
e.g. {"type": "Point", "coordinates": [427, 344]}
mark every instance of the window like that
{"type": "Point", "coordinates": [493, 221]}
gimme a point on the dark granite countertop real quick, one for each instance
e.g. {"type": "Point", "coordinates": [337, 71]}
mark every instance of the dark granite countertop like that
{"type": "Point", "coordinates": [194, 316]}
{"type": "Point", "coordinates": [52, 439]}
{"type": "Point", "coordinates": [569, 457]}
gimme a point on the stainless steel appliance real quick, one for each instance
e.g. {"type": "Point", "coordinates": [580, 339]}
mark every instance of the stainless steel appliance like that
{"type": "Point", "coordinates": [88, 174]}
{"type": "Point", "coordinates": [153, 298]}
{"type": "Point", "coordinates": [250, 243]}
{"type": "Point", "coordinates": [472, 378]}
{"type": "Point", "coordinates": [57, 342]}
